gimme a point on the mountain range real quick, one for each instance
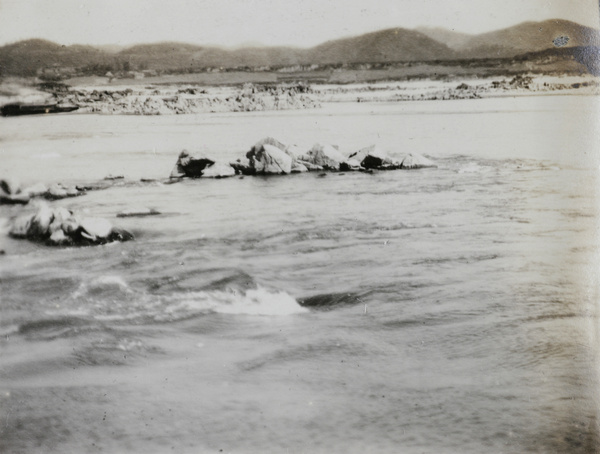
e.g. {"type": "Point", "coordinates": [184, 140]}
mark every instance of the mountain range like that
{"type": "Point", "coordinates": [385, 46]}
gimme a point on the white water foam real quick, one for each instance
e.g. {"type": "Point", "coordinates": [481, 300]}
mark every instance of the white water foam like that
{"type": "Point", "coordinates": [258, 301]}
{"type": "Point", "coordinates": [101, 284]}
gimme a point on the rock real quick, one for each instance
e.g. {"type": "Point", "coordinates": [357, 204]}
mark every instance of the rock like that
{"type": "Point", "coordinates": [70, 226]}
{"type": "Point", "coordinates": [266, 141]}
{"type": "Point", "coordinates": [243, 168]}
{"type": "Point", "coordinates": [10, 186]}
{"type": "Point", "coordinates": [20, 227]}
{"type": "Point", "coordinates": [14, 199]}
{"type": "Point", "coordinates": [40, 222]}
{"type": "Point", "coordinates": [295, 152]}
{"type": "Point", "coordinates": [190, 166]}
{"type": "Point", "coordinates": [114, 177]}
{"type": "Point", "coordinates": [10, 192]}
{"type": "Point", "coordinates": [59, 238]}
{"type": "Point", "coordinates": [373, 157]}
{"type": "Point", "coordinates": [139, 212]}
{"type": "Point", "coordinates": [218, 170]}
{"type": "Point", "coordinates": [95, 228]}
{"type": "Point", "coordinates": [61, 227]}
{"type": "Point", "coordinates": [416, 161]}
{"type": "Point", "coordinates": [309, 165]}
{"type": "Point", "coordinates": [326, 156]}
{"type": "Point", "coordinates": [270, 160]}
{"type": "Point", "coordinates": [36, 190]}
{"type": "Point", "coordinates": [62, 214]}
{"type": "Point", "coordinates": [298, 167]}
{"type": "Point", "coordinates": [350, 164]}
{"type": "Point", "coordinates": [58, 191]}
{"type": "Point", "coordinates": [121, 235]}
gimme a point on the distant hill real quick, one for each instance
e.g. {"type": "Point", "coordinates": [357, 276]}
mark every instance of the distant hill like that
{"type": "Point", "coordinates": [35, 56]}
{"type": "Point", "coordinates": [26, 57]}
{"type": "Point", "coordinates": [392, 45]}
{"type": "Point", "coordinates": [520, 39]}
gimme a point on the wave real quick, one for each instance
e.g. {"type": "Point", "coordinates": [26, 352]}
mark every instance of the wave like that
{"type": "Point", "coordinates": [259, 301]}
{"type": "Point", "coordinates": [103, 285]}
{"type": "Point", "coordinates": [110, 299]}
{"type": "Point", "coordinates": [55, 327]}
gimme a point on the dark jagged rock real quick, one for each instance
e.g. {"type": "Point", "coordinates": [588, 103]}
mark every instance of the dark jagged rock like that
{"type": "Point", "coordinates": [11, 193]}
{"type": "Point", "coordinates": [190, 166]}
{"type": "Point", "coordinates": [243, 168]}
{"type": "Point", "coordinates": [372, 157]}
{"type": "Point", "coordinates": [61, 227]}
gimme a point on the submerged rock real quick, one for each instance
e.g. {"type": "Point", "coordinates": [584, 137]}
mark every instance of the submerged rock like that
{"type": "Point", "coordinates": [138, 212]}
{"type": "Point", "coordinates": [58, 191]}
{"type": "Point", "coordinates": [416, 161]}
{"type": "Point", "coordinates": [11, 192]}
{"type": "Point", "coordinates": [62, 227]}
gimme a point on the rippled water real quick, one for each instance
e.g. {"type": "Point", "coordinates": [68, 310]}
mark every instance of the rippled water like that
{"type": "Point", "coordinates": [439, 310]}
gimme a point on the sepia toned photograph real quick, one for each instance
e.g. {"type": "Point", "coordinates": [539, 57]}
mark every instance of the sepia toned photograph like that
{"type": "Point", "coordinates": [319, 226]}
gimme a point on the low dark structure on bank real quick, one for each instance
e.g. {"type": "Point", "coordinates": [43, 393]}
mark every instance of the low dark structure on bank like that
{"type": "Point", "coordinates": [15, 109]}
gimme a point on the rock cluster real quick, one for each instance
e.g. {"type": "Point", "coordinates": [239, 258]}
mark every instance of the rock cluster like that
{"type": "Point", "coordinates": [62, 227]}
{"type": "Point", "coordinates": [11, 192]}
{"type": "Point", "coordinates": [271, 157]}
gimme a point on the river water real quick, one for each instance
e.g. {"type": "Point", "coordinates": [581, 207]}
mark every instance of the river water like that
{"type": "Point", "coordinates": [448, 310]}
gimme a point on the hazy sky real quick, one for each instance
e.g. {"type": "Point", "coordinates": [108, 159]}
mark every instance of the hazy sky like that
{"type": "Point", "coordinates": [271, 22]}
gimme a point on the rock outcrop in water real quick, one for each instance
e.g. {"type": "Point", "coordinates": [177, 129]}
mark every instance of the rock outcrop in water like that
{"type": "Point", "coordinates": [268, 156]}
{"type": "Point", "coordinates": [190, 166]}
{"type": "Point", "coordinates": [373, 157]}
{"type": "Point", "coordinates": [271, 157]}
{"type": "Point", "coordinates": [62, 227]}
{"type": "Point", "coordinates": [326, 157]}
{"type": "Point", "coordinates": [11, 192]}
{"type": "Point", "coordinates": [200, 166]}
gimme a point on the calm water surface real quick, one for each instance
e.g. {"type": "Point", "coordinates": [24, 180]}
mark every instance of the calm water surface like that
{"type": "Point", "coordinates": [443, 310]}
